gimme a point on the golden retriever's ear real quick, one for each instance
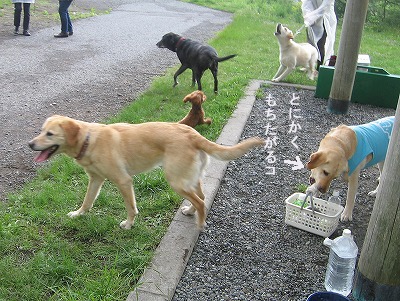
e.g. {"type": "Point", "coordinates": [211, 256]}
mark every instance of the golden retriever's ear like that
{"type": "Point", "coordinates": [71, 130]}
{"type": "Point", "coordinates": [316, 159]}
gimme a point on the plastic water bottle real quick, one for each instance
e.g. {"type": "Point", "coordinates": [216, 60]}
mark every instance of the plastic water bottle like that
{"type": "Point", "coordinates": [341, 264]}
{"type": "Point", "coordinates": [334, 198]}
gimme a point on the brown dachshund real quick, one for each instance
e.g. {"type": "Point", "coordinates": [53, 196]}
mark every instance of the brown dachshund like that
{"type": "Point", "coordinates": [196, 114]}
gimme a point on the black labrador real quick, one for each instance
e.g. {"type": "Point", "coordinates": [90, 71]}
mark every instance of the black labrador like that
{"type": "Point", "coordinates": [195, 56]}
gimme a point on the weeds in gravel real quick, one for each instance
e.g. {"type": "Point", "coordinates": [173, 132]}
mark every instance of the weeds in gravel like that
{"type": "Point", "coordinates": [44, 255]}
{"type": "Point", "coordinates": [301, 187]}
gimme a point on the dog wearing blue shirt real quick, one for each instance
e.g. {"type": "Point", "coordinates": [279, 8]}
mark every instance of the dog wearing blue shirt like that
{"type": "Point", "coordinates": [346, 150]}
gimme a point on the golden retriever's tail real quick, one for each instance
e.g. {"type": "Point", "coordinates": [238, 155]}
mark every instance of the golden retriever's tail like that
{"type": "Point", "coordinates": [226, 153]}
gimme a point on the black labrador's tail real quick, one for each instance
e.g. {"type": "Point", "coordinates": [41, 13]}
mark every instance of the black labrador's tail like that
{"type": "Point", "coordinates": [221, 59]}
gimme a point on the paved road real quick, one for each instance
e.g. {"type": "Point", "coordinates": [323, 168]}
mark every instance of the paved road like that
{"type": "Point", "coordinates": [108, 62]}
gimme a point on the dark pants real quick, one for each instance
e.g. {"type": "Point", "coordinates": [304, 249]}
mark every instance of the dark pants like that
{"type": "Point", "coordinates": [321, 48]}
{"type": "Point", "coordinates": [17, 15]}
{"type": "Point", "coordinates": [66, 24]}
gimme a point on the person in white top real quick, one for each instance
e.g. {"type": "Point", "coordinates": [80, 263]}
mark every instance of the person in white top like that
{"type": "Point", "coordinates": [17, 15]}
{"type": "Point", "coordinates": [320, 20]}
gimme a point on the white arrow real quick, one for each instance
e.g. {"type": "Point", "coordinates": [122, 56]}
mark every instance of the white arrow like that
{"type": "Point", "coordinates": [297, 164]}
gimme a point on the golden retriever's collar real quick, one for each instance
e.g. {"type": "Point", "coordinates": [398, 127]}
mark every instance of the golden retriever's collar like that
{"type": "Point", "coordinates": [179, 42]}
{"type": "Point", "coordinates": [83, 148]}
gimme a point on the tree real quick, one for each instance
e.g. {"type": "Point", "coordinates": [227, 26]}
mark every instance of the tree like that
{"type": "Point", "coordinates": [378, 273]}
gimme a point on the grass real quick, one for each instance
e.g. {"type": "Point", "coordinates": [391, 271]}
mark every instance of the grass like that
{"type": "Point", "coordinates": [47, 256]}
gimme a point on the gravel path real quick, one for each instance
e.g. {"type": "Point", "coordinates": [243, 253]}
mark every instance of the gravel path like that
{"type": "Point", "coordinates": [247, 252]}
{"type": "Point", "coordinates": [109, 61]}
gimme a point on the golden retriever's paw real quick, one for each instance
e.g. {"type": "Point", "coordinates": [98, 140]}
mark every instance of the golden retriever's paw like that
{"type": "Point", "coordinates": [125, 225]}
{"type": "Point", "coordinates": [76, 213]}
{"type": "Point", "coordinates": [188, 210]}
{"type": "Point", "coordinates": [202, 227]}
{"type": "Point", "coordinates": [346, 216]}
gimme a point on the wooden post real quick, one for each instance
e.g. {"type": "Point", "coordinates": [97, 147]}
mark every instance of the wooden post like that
{"type": "Point", "coordinates": [346, 61]}
{"type": "Point", "coordinates": [378, 271]}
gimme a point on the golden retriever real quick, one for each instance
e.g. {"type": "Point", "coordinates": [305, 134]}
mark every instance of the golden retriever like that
{"type": "Point", "coordinates": [118, 151]}
{"type": "Point", "coordinates": [292, 55]}
{"type": "Point", "coordinates": [196, 114]}
{"type": "Point", "coordinates": [345, 150]}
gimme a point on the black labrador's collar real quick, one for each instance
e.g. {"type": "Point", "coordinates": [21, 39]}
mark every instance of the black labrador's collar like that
{"type": "Point", "coordinates": [83, 148]}
{"type": "Point", "coordinates": [179, 42]}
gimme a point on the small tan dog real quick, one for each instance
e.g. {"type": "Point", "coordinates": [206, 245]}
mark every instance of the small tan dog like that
{"type": "Point", "coordinates": [292, 55]}
{"type": "Point", "coordinates": [196, 114]}
{"type": "Point", "coordinates": [346, 150]}
{"type": "Point", "coordinates": [118, 151]}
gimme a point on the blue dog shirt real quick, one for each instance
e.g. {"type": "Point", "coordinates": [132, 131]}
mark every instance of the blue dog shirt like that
{"type": "Point", "coordinates": [372, 138]}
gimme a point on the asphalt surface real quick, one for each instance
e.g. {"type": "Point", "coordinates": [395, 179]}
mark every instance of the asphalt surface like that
{"type": "Point", "coordinates": [92, 75]}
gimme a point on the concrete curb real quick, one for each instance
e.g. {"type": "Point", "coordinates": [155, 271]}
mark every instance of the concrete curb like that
{"type": "Point", "coordinates": [160, 279]}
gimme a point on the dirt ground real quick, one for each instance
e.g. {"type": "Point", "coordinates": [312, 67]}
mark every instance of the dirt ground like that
{"type": "Point", "coordinates": [43, 15]}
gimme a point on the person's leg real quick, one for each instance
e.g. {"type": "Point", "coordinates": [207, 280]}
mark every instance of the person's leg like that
{"type": "Point", "coordinates": [70, 30]}
{"type": "Point", "coordinates": [69, 23]}
{"type": "Point", "coordinates": [321, 48]}
{"type": "Point", "coordinates": [63, 11]}
{"type": "Point", "coordinates": [27, 15]}
{"type": "Point", "coordinates": [17, 16]}
{"type": "Point", "coordinates": [64, 17]}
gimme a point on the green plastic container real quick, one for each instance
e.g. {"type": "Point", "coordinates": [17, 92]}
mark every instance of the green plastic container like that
{"type": "Point", "coordinates": [372, 85]}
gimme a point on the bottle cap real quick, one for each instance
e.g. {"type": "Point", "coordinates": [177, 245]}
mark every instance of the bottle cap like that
{"type": "Point", "coordinates": [346, 232]}
{"type": "Point", "coordinates": [327, 242]}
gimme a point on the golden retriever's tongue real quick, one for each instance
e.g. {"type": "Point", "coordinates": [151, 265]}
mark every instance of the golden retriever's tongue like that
{"type": "Point", "coordinates": [43, 156]}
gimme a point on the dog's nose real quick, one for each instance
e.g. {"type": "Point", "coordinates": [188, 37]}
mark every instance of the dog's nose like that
{"type": "Point", "coordinates": [31, 144]}
{"type": "Point", "coordinates": [312, 180]}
